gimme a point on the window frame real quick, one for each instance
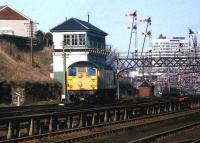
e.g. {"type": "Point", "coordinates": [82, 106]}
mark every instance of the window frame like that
{"type": "Point", "coordinates": [93, 70]}
{"type": "Point", "coordinates": [70, 70]}
{"type": "Point", "coordinates": [81, 69]}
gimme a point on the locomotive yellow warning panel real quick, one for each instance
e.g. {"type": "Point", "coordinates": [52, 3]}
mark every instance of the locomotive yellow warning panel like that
{"type": "Point", "coordinates": [82, 78]}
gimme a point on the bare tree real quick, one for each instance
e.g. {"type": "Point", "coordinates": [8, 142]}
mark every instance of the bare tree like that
{"type": "Point", "coordinates": [110, 60]}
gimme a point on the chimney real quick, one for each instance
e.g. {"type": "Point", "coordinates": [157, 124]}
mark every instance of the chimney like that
{"type": "Point", "coordinates": [88, 17]}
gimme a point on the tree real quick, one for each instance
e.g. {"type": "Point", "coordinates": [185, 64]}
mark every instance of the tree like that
{"type": "Point", "coordinates": [39, 38]}
{"type": "Point", "coordinates": [48, 39]}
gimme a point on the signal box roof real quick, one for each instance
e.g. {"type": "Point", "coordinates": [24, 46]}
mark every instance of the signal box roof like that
{"type": "Point", "coordinates": [145, 84]}
{"type": "Point", "coordinates": [74, 24]}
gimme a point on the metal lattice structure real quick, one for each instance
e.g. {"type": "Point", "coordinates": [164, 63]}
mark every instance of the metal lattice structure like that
{"type": "Point", "coordinates": [176, 70]}
{"type": "Point", "coordinates": [146, 60]}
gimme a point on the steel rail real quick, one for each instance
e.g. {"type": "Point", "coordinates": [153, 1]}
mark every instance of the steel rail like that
{"type": "Point", "coordinates": [165, 134]}
{"type": "Point", "coordinates": [31, 110]}
{"type": "Point", "coordinates": [196, 141]}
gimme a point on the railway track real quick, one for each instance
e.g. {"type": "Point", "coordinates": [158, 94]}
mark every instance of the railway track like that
{"type": "Point", "coordinates": [85, 119]}
{"type": "Point", "coordinates": [37, 109]}
{"type": "Point", "coordinates": [84, 133]}
{"type": "Point", "coordinates": [163, 135]}
{"type": "Point", "coordinates": [196, 140]}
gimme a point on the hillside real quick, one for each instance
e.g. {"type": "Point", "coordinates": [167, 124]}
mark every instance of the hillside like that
{"type": "Point", "coordinates": [15, 64]}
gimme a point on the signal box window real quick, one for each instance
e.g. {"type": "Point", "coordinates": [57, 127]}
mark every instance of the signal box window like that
{"type": "Point", "coordinates": [72, 72]}
{"type": "Point", "coordinates": [81, 39]}
{"type": "Point", "coordinates": [66, 39]}
{"type": "Point", "coordinates": [91, 72]}
{"type": "Point", "coordinates": [74, 39]}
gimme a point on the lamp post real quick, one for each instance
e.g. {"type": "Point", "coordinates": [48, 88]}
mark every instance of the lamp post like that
{"type": "Point", "coordinates": [118, 86]}
{"type": "Point", "coordinates": [65, 90]}
{"type": "Point", "coordinates": [168, 81]}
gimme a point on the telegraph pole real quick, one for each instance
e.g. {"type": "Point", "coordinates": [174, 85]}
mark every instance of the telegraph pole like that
{"type": "Point", "coordinates": [31, 41]}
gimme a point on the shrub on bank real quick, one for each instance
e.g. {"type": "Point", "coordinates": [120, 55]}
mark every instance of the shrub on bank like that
{"type": "Point", "coordinates": [126, 88]}
{"type": "Point", "coordinates": [29, 92]}
{"type": "Point", "coordinates": [5, 93]}
{"type": "Point", "coordinates": [42, 92]}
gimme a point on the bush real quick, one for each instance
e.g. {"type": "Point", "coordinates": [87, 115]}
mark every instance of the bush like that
{"type": "Point", "coordinates": [126, 89]}
{"type": "Point", "coordinates": [42, 91]}
{"type": "Point", "coordinates": [34, 91]}
{"type": "Point", "coordinates": [5, 93]}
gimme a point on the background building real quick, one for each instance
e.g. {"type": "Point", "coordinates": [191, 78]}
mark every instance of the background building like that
{"type": "Point", "coordinates": [176, 46]}
{"type": "Point", "coordinates": [170, 77]}
{"type": "Point", "coordinates": [12, 22]}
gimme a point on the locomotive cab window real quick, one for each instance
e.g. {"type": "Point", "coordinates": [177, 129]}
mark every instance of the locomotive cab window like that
{"type": "Point", "coordinates": [81, 69]}
{"type": "Point", "coordinates": [91, 72]}
{"type": "Point", "coordinates": [72, 72]}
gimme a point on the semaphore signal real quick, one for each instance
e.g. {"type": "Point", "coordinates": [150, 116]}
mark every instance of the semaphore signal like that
{"type": "Point", "coordinates": [134, 14]}
{"type": "Point", "coordinates": [133, 28]}
{"type": "Point", "coordinates": [147, 33]}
